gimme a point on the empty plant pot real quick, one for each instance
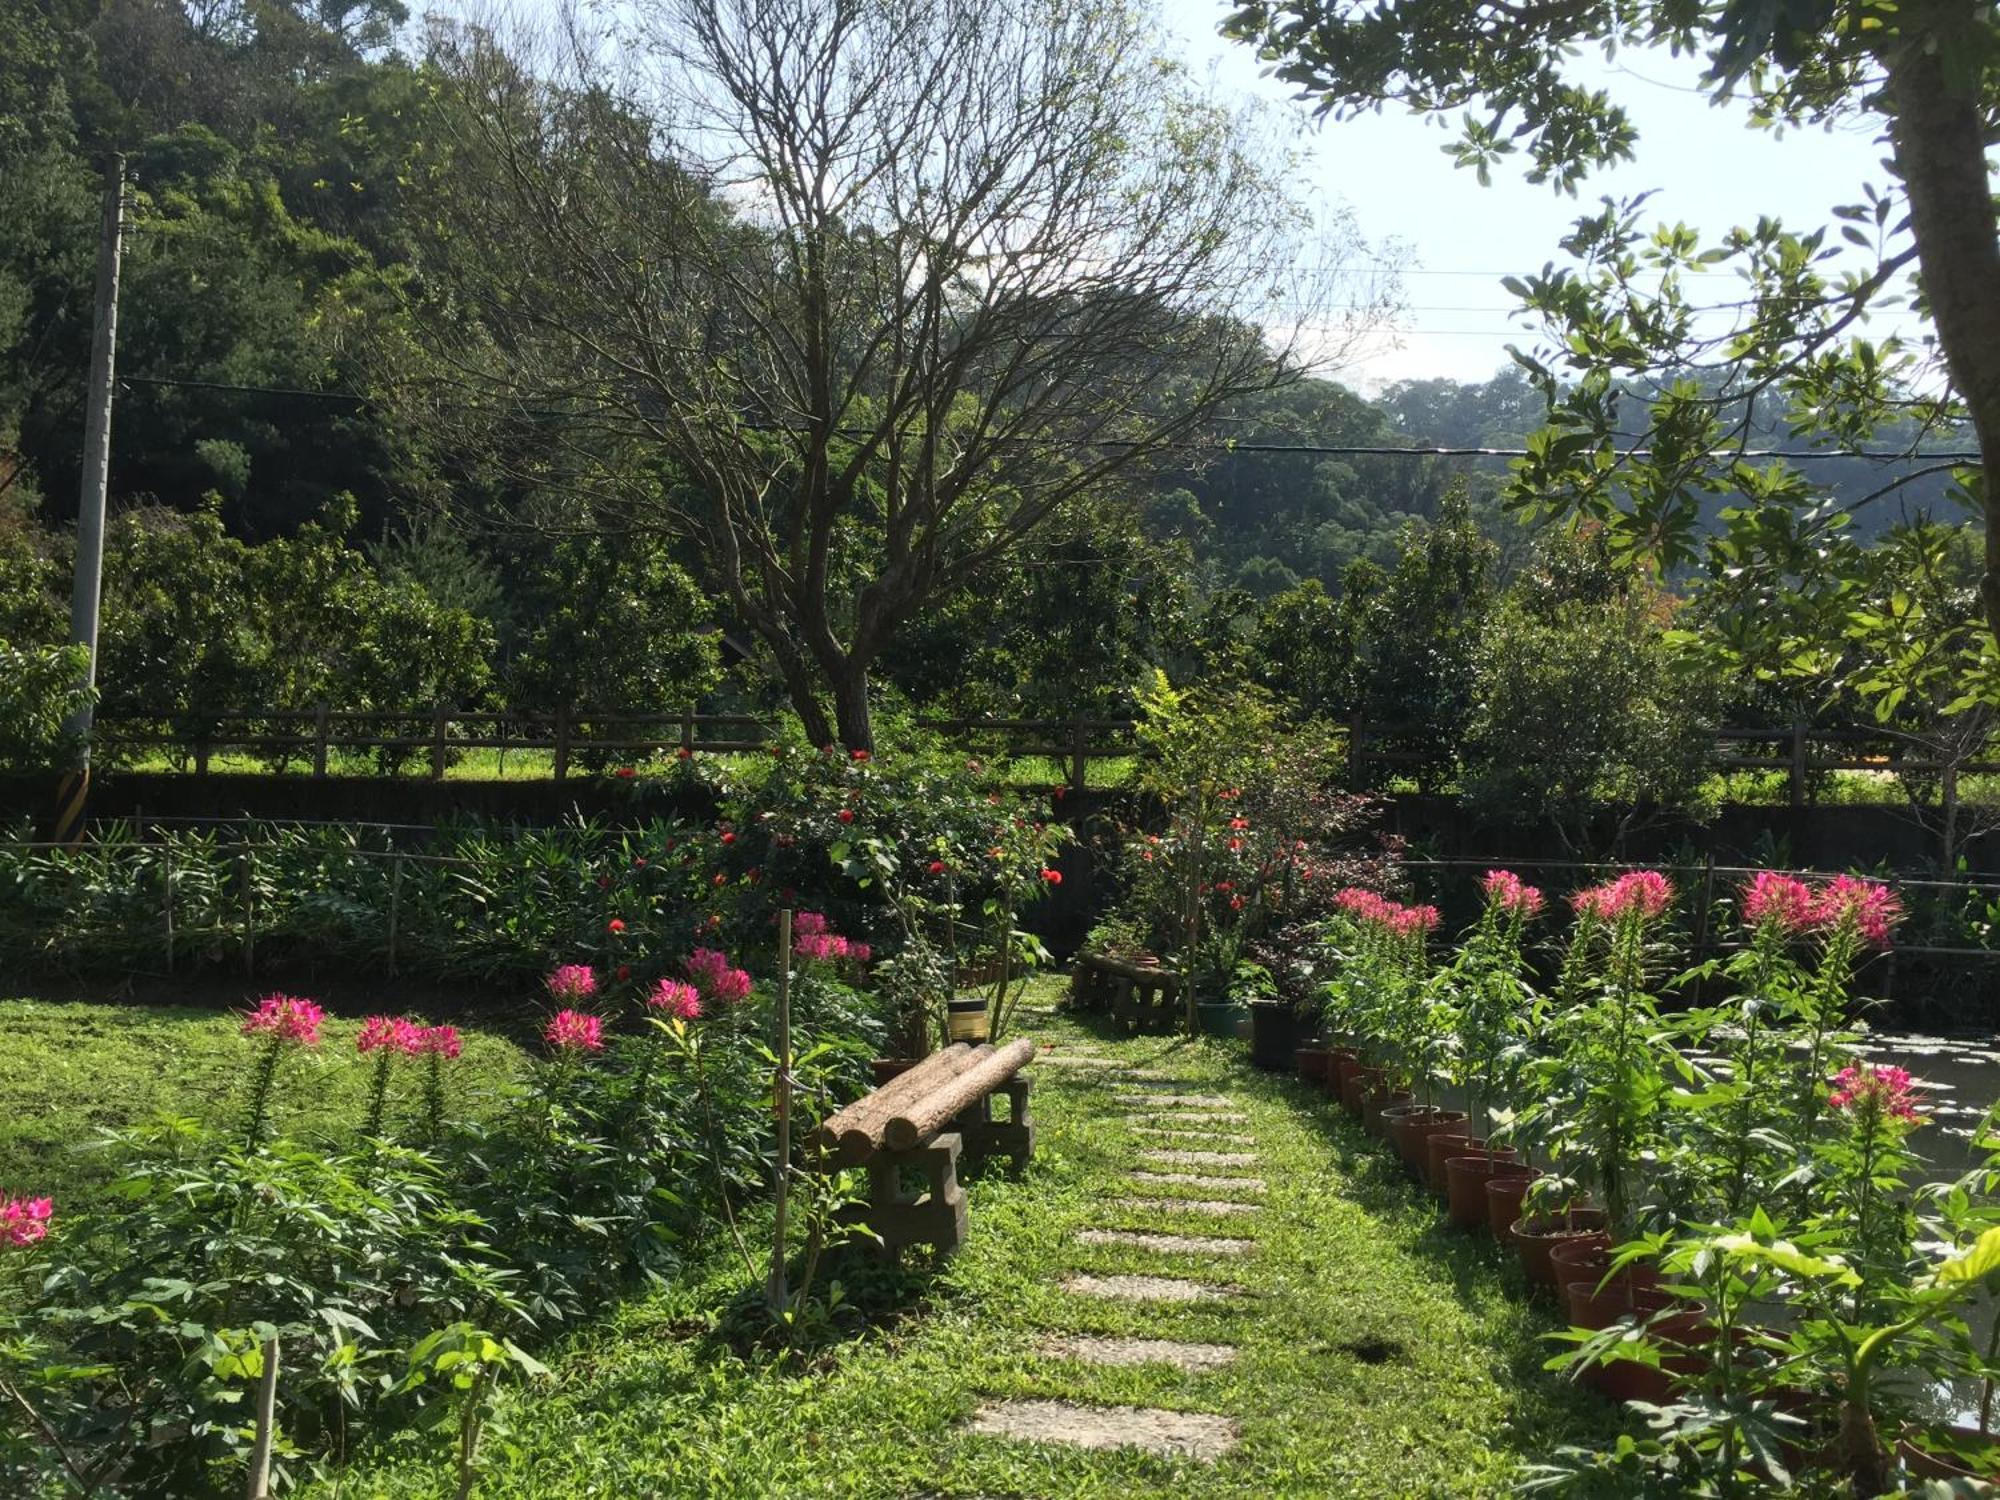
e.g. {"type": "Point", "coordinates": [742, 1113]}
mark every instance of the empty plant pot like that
{"type": "Point", "coordinates": [1440, 1146]}
{"type": "Point", "coordinates": [1310, 1063]}
{"type": "Point", "coordinates": [1465, 1187]}
{"type": "Point", "coordinates": [1504, 1191]}
{"type": "Point", "coordinates": [1538, 1238]}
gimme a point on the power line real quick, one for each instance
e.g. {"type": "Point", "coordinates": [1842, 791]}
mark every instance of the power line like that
{"type": "Point", "coordinates": [1328, 450]}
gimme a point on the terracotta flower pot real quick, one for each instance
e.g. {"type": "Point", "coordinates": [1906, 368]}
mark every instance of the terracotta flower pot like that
{"type": "Point", "coordinates": [1595, 1302]}
{"type": "Point", "coordinates": [1397, 1116]}
{"type": "Point", "coordinates": [1926, 1463]}
{"type": "Point", "coordinates": [1413, 1131]}
{"type": "Point", "coordinates": [1360, 1082]}
{"type": "Point", "coordinates": [1337, 1061]}
{"type": "Point", "coordinates": [1379, 1100]}
{"type": "Point", "coordinates": [1538, 1238]}
{"type": "Point", "coordinates": [1628, 1380]}
{"type": "Point", "coordinates": [1441, 1145]}
{"type": "Point", "coordinates": [1465, 1187]}
{"type": "Point", "coordinates": [1311, 1063]}
{"type": "Point", "coordinates": [1504, 1191]}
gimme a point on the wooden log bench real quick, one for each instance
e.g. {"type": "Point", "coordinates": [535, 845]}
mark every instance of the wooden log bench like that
{"type": "Point", "coordinates": [920, 1123]}
{"type": "Point", "coordinates": [1143, 996]}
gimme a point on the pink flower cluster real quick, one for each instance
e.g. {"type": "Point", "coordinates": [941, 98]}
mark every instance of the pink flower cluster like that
{"type": "Point", "coordinates": [716, 977]}
{"type": "Point", "coordinates": [677, 998]}
{"type": "Point", "coordinates": [25, 1220]}
{"type": "Point", "coordinates": [812, 938]}
{"type": "Point", "coordinates": [572, 984]}
{"type": "Point", "coordinates": [1793, 906]}
{"type": "Point", "coordinates": [1643, 893]}
{"type": "Point", "coordinates": [285, 1018]}
{"type": "Point", "coordinates": [399, 1034]}
{"type": "Point", "coordinates": [574, 1031]}
{"type": "Point", "coordinates": [1505, 891]}
{"type": "Point", "coordinates": [1379, 911]}
{"type": "Point", "coordinates": [1890, 1089]}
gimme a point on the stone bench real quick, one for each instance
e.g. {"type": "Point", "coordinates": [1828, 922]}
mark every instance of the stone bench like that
{"type": "Point", "coordinates": [921, 1122]}
{"type": "Point", "coordinates": [1146, 997]}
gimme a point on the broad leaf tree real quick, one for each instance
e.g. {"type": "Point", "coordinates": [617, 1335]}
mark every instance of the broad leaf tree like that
{"type": "Point", "coordinates": [854, 297]}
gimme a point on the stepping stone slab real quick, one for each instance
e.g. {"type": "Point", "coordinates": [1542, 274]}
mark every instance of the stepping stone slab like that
{"type": "Point", "coordinates": [1210, 1207]}
{"type": "Point", "coordinates": [1193, 1117]}
{"type": "Point", "coordinates": [1171, 1244]}
{"type": "Point", "coordinates": [1183, 1434]}
{"type": "Point", "coordinates": [1201, 1158]}
{"type": "Point", "coordinates": [1146, 1289]}
{"type": "Point", "coordinates": [1190, 1179]}
{"type": "Point", "coordinates": [1072, 1060]}
{"type": "Point", "coordinates": [1194, 1135]}
{"type": "Point", "coordinates": [1095, 1351]}
{"type": "Point", "coordinates": [1184, 1101]}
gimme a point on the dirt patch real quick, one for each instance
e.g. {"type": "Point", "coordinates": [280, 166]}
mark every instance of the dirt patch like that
{"type": "Point", "coordinates": [1200, 1158]}
{"type": "Point", "coordinates": [1092, 1351]}
{"type": "Point", "coordinates": [1146, 1288]}
{"type": "Point", "coordinates": [1193, 1179]}
{"type": "Point", "coordinates": [1182, 1434]}
{"type": "Point", "coordinates": [1171, 1244]}
{"type": "Point", "coordinates": [1208, 1206]}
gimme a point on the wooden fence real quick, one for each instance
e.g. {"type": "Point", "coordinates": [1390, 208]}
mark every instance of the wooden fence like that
{"type": "Point", "coordinates": [431, 738]}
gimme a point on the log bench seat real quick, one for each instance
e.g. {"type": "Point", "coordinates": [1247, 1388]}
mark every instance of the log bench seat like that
{"type": "Point", "coordinates": [921, 1122]}
{"type": "Point", "coordinates": [1145, 997]}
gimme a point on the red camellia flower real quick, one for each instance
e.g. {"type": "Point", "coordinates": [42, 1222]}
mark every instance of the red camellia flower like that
{"type": "Point", "coordinates": [859, 755]}
{"type": "Point", "coordinates": [615, 926]}
{"type": "Point", "coordinates": [624, 972]}
{"type": "Point", "coordinates": [846, 815]}
{"type": "Point", "coordinates": [1239, 823]}
{"type": "Point", "coordinates": [719, 880]}
{"type": "Point", "coordinates": [639, 862]}
{"type": "Point", "coordinates": [1236, 903]}
{"type": "Point", "coordinates": [728, 838]}
{"type": "Point", "coordinates": [937, 867]}
{"type": "Point", "coordinates": [626, 773]}
{"type": "Point", "coordinates": [684, 753]}
{"type": "Point", "coordinates": [777, 752]}
{"type": "Point", "coordinates": [1053, 877]}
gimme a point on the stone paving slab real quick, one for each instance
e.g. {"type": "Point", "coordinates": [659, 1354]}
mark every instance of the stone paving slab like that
{"type": "Point", "coordinates": [1073, 1060]}
{"type": "Point", "coordinates": [1167, 1134]}
{"type": "Point", "coordinates": [1146, 1288]}
{"type": "Point", "coordinates": [1190, 1102]}
{"type": "Point", "coordinates": [1191, 1179]}
{"type": "Point", "coordinates": [1170, 1433]}
{"type": "Point", "coordinates": [1169, 1244]}
{"type": "Point", "coordinates": [1191, 1117]}
{"type": "Point", "coordinates": [1201, 1158]}
{"type": "Point", "coordinates": [1097, 1351]}
{"type": "Point", "coordinates": [1209, 1207]}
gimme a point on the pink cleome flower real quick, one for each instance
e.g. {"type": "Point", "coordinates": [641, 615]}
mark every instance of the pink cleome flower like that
{"type": "Point", "coordinates": [716, 977]}
{"type": "Point", "coordinates": [574, 1031]}
{"type": "Point", "coordinates": [677, 998]}
{"type": "Point", "coordinates": [1505, 891]}
{"type": "Point", "coordinates": [1413, 921]}
{"type": "Point", "coordinates": [1871, 906]}
{"type": "Point", "coordinates": [440, 1041]}
{"type": "Point", "coordinates": [1781, 901]}
{"type": "Point", "coordinates": [285, 1018]}
{"type": "Point", "coordinates": [392, 1032]}
{"type": "Point", "coordinates": [1890, 1089]}
{"type": "Point", "coordinates": [572, 984]}
{"type": "Point", "coordinates": [809, 924]}
{"type": "Point", "coordinates": [1643, 893]}
{"type": "Point", "coordinates": [25, 1220]}
{"type": "Point", "coordinates": [821, 945]}
{"type": "Point", "coordinates": [859, 953]}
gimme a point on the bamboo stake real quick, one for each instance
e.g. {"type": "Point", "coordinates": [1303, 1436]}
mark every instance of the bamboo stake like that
{"type": "Point", "coordinates": [775, 1291]}
{"type": "Point", "coordinates": [267, 1422]}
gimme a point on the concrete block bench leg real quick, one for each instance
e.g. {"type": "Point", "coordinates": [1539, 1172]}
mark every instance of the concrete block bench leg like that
{"type": "Point", "coordinates": [1012, 1137]}
{"type": "Point", "coordinates": [935, 1216]}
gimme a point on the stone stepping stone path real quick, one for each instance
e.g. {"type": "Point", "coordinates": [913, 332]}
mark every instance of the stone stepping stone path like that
{"type": "Point", "coordinates": [1168, 1244]}
{"type": "Point", "coordinates": [1187, 1102]}
{"type": "Point", "coordinates": [1200, 1158]}
{"type": "Point", "coordinates": [1193, 1179]}
{"type": "Point", "coordinates": [1147, 1288]}
{"type": "Point", "coordinates": [1167, 1134]}
{"type": "Point", "coordinates": [1191, 1118]}
{"type": "Point", "coordinates": [1097, 1351]}
{"type": "Point", "coordinates": [1183, 1434]}
{"type": "Point", "coordinates": [1208, 1207]}
{"type": "Point", "coordinates": [1075, 1060]}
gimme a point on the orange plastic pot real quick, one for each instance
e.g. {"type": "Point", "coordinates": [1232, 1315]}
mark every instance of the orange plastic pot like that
{"type": "Point", "coordinates": [1412, 1134]}
{"type": "Point", "coordinates": [1465, 1187]}
{"type": "Point", "coordinates": [1442, 1145]}
{"type": "Point", "coordinates": [1679, 1329]}
{"type": "Point", "coordinates": [1360, 1082]}
{"type": "Point", "coordinates": [1337, 1060]}
{"type": "Point", "coordinates": [1504, 1191]}
{"type": "Point", "coordinates": [1538, 1238]}
{"type": "Point", "coordinates": [1311, 1063]}
{"type": "Point", "coordinates": [1381, 1099]}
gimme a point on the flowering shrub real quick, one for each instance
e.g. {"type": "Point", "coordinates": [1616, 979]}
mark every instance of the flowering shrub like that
{"type": "Point", "coordinates": [25, 1221]}
{"type": "Point", "coordinates": [574, 1031]}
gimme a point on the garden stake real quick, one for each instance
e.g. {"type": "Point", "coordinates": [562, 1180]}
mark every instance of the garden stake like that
{"type": "Point", "coordinates": [781, 1101]}
{"type": "Point", "coordinates": [267, 1413]}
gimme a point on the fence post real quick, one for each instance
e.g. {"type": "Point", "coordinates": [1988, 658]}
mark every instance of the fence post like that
{"type": "Point", "coordinates": [395, 907]}
{"type": "Point", "coordinates": [1798, 787]}
{"type": "Point", "coordinates": [246, 875]}
{"type": "Point", "coordinates": [201, 755]}
{"type": "Point", "coordinates": [319, 740]}
{"type": "Point", "coordinates": [687, 730]}
{"type": "Point", "coordinates": [438, 723]}
{"type": "Point", "coordinates": [562, 740]}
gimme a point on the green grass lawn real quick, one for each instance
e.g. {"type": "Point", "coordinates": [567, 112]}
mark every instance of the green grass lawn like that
{"type": "Point", "coordinates": [69, 1068]}
{"type": "Point", "coordinates": [1380, 1354]}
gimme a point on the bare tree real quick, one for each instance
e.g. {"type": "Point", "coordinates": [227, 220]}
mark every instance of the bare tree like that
{"type": "Point", "coordinates": [863, 291]}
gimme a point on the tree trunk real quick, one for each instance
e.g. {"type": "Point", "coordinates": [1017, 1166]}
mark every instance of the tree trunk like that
{"type": "Point", "coordinates": [850, 706]}
{"type": "Point", "coordinates": [1939, 135]}
{"type": "Point", "coordinates": [803, 689]}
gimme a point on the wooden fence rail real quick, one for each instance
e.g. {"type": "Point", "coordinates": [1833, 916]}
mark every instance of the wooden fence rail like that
{"type": "Point", "coordinates": [434, 736]}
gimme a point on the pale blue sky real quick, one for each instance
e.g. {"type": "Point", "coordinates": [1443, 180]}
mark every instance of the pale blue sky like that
{"type": "Point", "coordinates": [1711, 171]}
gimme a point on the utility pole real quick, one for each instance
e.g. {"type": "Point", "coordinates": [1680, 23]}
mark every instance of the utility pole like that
{"type": "Point", "coordinates": [73, 790]}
